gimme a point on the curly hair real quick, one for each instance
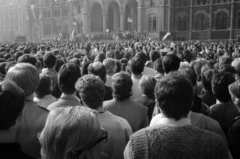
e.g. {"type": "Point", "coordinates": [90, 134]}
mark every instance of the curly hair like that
{"type": "Point", "coordinates": [122, 86]}
{"type": "Point", "coordinates": [91, 90]}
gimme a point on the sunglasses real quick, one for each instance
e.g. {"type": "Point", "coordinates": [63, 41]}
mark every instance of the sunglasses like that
{"type": "Point", "coordinates": [103, 138]}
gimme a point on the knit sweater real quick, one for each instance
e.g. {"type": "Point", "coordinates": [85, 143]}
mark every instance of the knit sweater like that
{"type": "Point", "coordinates": [165, 141]}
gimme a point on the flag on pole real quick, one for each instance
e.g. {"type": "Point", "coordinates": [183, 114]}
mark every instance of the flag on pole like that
{"type": "Point", "coordinates": [72, 36]}
{"type": "Point", "coordinates": [59, 38]}
{"type": "Point", "coordinates": [166, 36]}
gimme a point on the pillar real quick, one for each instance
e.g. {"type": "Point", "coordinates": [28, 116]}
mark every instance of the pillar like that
{"type": "Point", "coordinates": [210, 19]}
{"type": "Point", "coordinates": [104, 21]}
{"type": "Point", "coordinates": [85, 17]}
{"type": "Point", "coordinates": [190, 19]}
{"type": "Point", "coordinates": [140, 16]}
{"type": "Point", "coordinates": [232, 21]}
{"type": "Point", "coordinates": [122, 16]}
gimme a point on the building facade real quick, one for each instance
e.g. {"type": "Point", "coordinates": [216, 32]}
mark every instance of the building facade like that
{"type": "Point", "coordinates": [185, 19]}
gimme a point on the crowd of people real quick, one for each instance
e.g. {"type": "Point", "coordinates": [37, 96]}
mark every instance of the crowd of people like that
{"type": "Point", "coordinates": [138, 99]}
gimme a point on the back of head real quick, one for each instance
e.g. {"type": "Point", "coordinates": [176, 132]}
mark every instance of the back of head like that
{"type": "Point", "coordinates": [147, 84]}
{"type": "Point", "coordinates": [220, 83]}
{"type": "Point", "coordinates": [190, 73]}
{"type": "Point", "coordinates": [172, 100]}
{"type": "Point", "coordinates": [207, 79]}
{"type": "Point", "coordinates": [122, 86]}
{"type": "Point", "coordinates": [236, 65]}
{"type": "Point", "coordinates": [26, 58]}
{"type": "Point", "coordinates": [91, 89]}
{"type": "Point", "coordinates": [100, 57]}
{"type": "Point", "coordinates": [67, 77]}
{"type": "Point", "coordinates": [68, 132]}
{"type": "Point", "coordinates": [25, 76]}
{"type": "Point", "coordinates": [234, 90]}
{"type": "Point", "coordinates": [142, 56]}
{"type": "Point", "coordinates": [110, 65]}
{"type": "Point", "coordinates": [136, 66]}
{"type": "Point", "coordinates": [49, 60]}
{"type": "Point", "coordinates": [154, 55]}
{"type": "Point", "coordinates": [225, 60]}
{"type": "Point", "coordinates": [171, 63]}
{"type": "Point", "coordinates": [98, 69]}
{"type": "Point", "coordinates": [12, 103]}
{"type": "Point", "coordinates": [44, 87]}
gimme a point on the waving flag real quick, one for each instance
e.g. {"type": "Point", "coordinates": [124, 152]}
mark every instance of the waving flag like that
{"type": "Point", "coordinates": [166, 36]}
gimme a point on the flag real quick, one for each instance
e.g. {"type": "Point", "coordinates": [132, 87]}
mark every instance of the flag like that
{"type": "Point", "coordinates": [33, 11]}
{"type": "Point", "coordinates": [59, 38]}
{"type": "Point", "coordinates": [166, 36]}
{"type": "Point", "coordinates": [72, 36]}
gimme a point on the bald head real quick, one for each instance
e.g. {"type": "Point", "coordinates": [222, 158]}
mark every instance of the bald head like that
{"type": "Point", "coordinates": [98, 69]}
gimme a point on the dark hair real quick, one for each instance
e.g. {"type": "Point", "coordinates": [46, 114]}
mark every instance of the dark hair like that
{"type": "Point", "coordinates": [84, 68]}
{"type": "Point", "coordinates": [49, 60]}
{"type": "Point", "coordinates": [17, 55]}
{"type": "Point", "coordinates": [147, 84]}
{"type": "Point", "coordinates": [58, 65]}
{"type": "Point", "coordinates": [173, 101]}
{"type": "Point", "coordinates": [67, 77]}
{"type": "Point", "coordinates": [207, 78]}
{"type": "Point", "coordinates": [119, 66]}
{"type": "Point", "coordinates": [228, 68]}
{"type": "Point", "coordinates": [12, 103]}
{"type": "Point", "coordinates": [98, 69]}
{"type": "Point", "coordinates": [188, 71]}
{"type": "Point", "coordinates": [142, 56]}
{"type": "Point", "coordinates": [91, 89]}
{"type": "Point", "coordinates": [26, 58]}
{"type": "Point", "coordinates": [44, 87]}
{"type": "Point", "coordinates": [170, 63]}
{"type": "Point", "coordinates": [122, 86]}
{"type": "Point", "coordinates": [154, 55]}
{"type": "Point", "coordinates": [158, 66]}
{"type": "Point", "coordinates": [76, 61]}
{"type": "Point", "coordinates": [136, 65]}
{"type": "Point", "coordinates": [220, 83]}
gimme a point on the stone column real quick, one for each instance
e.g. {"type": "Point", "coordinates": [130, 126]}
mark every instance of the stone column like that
{"type": "Point", "coordinates": [190, 19]}
{"type": "Point", "coordinates": [104, 21]}
{"type": "Point", "coordinates": [232, 18]}
{"type": "Point", "coordinates": [122, 20]}
{"type": "Point", "coordinates": [210, 19]}
{"type": "Point", "coordinates": [140, 16]}
{"type": "Point", "coordinates": [85, 17]}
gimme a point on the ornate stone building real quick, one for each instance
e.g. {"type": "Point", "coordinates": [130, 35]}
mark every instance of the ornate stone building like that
{"type": "Point", "coordinates": [185, 19]}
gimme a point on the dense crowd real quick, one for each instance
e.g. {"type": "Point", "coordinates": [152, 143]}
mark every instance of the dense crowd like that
{"type": "Point", "coordinates": [137, 99]}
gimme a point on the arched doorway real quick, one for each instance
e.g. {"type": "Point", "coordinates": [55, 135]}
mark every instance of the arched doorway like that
{"type": "Point", "coordinates": [113, 22]}
{"type": "Point", "coordinates": [131, 12]}
{"type": "Point", "coordinates": [96, 18]}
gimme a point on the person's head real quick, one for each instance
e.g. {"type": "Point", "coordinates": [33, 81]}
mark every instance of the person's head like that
{"type": "Point", "coordinates": [206, 78]}
{"type": "Point", "coordinates": [147, 84]}
{"type": "Point", "coordinates": [122, 86]}
{"type": "Point", "coordinates": [9, 65]}
{"type": "Point", "coordinates": [91, 90]}
{"type": "Point", "coordinates": [72, 132]}
{"type": "Point", "coordinates": [190, 73]}
{"type": "Point", "coordinates": [234, 90]}
{"type": "Point", "coordinates": [110, 65]}
{"type": "Point", "coordinates": [26, 76]}
{"type": "Point", "coordinates": [98, 69]}
{"type": "Point", "coordinates": [12, 104]}
{"type": "Point", "coordinates": [59, 63]}
{"type": "Point", "coordinates": [17, 55]}
{"type": "Point", "coordinates": [67, 77]}
{"type": "Point", "coordinates": [100, 57]}
{"type": "Point", "coordinates": [84, 68]}
{"type": "Point", "coordinates": [26, 58]}
{"type": "Point", "coordinates": [220, 83]}
{"type": "Point", "coordinates": [170, 63]}
{"type": "Point", "coordinates": [49, 60]}
{"type": "Point", "coordinates": [154, 55]}
{"type": "Point", "coordinates": [158, 66]}
{"type": "Point", "coordinates": [236, 65]}
{"type": "Point", "coordinates": [136, 66]}
{"type": "Point", "coordinates": [45, 87]}
{"type": "Point", "coordinates": [225, 60]}
{"type": "Point", "coordinates": [170, 97]}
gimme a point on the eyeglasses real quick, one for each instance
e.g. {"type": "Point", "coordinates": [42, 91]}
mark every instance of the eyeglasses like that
{"type": "Point", "coordinates": [103, 138]}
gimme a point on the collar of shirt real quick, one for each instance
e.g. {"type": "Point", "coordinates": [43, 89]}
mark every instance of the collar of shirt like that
{"type": "Point", "coordinates": [70, 97]}
{"type": "Point", "coordinates": [168, 121]}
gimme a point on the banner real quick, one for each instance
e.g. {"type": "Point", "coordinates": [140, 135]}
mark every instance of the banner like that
{"type": "Point", "coordinates": [59, 38]}
{"type": "Point", "coordinates": [166, 36]}
{"type": "Point", "coordinates": [72, 36]}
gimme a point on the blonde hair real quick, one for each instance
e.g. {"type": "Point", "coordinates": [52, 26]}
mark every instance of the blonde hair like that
{"type": "Point", "coordinates": [67, 131]}
{"type": "Point", "coordinates": [26, 76]}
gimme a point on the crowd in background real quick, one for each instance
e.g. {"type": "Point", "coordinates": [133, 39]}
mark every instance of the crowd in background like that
{"type": "Point", "coordinates": [132, 99]}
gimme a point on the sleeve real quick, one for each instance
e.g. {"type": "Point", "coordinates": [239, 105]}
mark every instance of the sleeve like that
{"type": "Point", "coordinates": [128, 151]}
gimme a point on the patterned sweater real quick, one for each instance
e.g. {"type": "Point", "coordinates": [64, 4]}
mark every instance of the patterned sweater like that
{"type": "Point", "coordinates": [176, 142]}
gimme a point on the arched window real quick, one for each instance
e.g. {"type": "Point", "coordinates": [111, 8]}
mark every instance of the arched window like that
{"type": "Point", "coordinates": [179, 22]}
{"type": "Point", "coordinates": [204, 2]}
{"type": "Point", "coordinates": [152, 3]}
{"type": "Point", "coordinates": [238, 20]}
{"type": "Point", "coordinates": [179, 3]}
{"type": "Point", "coordinates": [185, 23]}
{"type": "Point", "coordinates": [150, 24]}
{"type": "Point", "coordinates": [201, 22]}
{"type": "Point", "coordinates": [154, 24]}
{"type": "Point", "coordinates": [185, 2]}
{"type": "Point", "coordinates": [203, 26]}
{"type": "Point", "coordinates": [198, 2]}
{"type": "Point", "coordinates": [221, 21]}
